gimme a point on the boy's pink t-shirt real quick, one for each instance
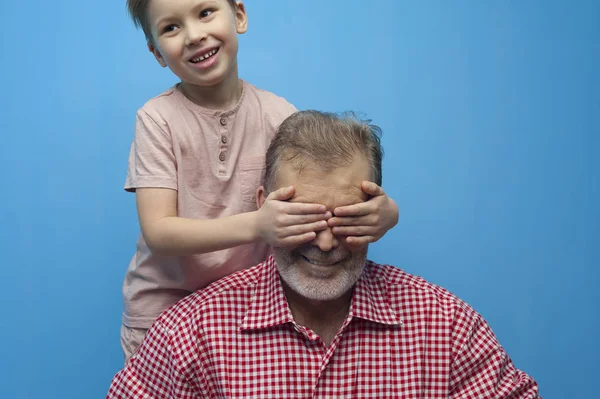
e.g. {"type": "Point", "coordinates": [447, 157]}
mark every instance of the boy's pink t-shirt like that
{"type": "Point", "coordinates": [215, 160]}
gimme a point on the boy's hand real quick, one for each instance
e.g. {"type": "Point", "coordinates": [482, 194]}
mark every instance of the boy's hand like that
{"type": "Point", "coordinates": [283, 224]}
{"type": "Point", "coordinates": [368, 221]}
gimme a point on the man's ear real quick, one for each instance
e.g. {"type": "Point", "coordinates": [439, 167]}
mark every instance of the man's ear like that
{"type": "Point", "coordinates": [241, 18]}
{"type": "Point", "coordinates": [156, 54]}
{"type": "Point", "coordinates": [261, 196]}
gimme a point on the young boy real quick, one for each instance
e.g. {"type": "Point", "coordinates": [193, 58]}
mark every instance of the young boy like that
{"type": "Point", "coordinates": [197, 161]}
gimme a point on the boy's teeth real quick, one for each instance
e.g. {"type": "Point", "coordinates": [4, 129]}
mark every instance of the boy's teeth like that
{"type": "Point", "coordinates": [205, 56]}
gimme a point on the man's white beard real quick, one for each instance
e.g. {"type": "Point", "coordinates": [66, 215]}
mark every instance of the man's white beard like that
{"type": "Point", "coordinates": [319, 286]}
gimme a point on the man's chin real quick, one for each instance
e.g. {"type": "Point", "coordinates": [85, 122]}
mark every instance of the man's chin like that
{"type": "Point", "coordinates": [317, 276]}
{"type": "Point", "coordinates": [318, 283]}
{"type": "Point", "coordinates": [316, 292]}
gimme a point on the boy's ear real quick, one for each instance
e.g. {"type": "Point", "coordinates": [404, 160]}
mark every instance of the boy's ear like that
{"type": "Point", "coordinates": [241, 18]}
{"type": "Point", "coordinates": [261, 196]}
{"type": "Point", "coordinates": [157, 54]}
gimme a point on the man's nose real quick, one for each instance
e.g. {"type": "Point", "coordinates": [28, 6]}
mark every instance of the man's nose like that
{"type": "Point", "coordinates": [326, 240]}
{"type": "Point", "coordinates": [194, 33]}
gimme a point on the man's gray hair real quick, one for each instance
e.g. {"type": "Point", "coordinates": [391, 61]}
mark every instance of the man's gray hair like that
{"type": "Point", "coordinates": [324, 140]}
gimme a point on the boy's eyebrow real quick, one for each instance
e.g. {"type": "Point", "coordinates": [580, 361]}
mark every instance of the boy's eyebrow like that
{"type": "Point", "coordinates": [163, 20]}
{"type": "Point", "coordinates": [201, 4]}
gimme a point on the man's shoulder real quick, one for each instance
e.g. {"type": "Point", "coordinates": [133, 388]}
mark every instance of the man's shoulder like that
{"type": "Point", "coordinates": [405, 289]}
{"type": "Point", "coordinates": [232, 292]}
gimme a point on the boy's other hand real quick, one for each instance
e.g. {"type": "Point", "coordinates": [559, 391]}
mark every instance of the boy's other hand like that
{"type": "Point", "coordinates": [368, 221]}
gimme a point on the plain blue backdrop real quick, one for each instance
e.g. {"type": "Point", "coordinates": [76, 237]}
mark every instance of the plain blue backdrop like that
{"type": "Point", "coordinates": [491, 120]}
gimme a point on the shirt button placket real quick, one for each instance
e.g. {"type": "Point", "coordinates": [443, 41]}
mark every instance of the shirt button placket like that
{"type": "Point", "coordinates": [223, 146]}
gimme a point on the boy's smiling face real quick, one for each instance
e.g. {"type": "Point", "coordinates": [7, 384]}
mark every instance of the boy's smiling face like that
{"type": "Point", "coordinates": [197, 39]}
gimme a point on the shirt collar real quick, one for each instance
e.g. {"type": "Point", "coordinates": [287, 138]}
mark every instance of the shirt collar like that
{"type": "Point", "coordinates": [370, 300]}
{"type": "Point", "coordinates": [269, 307]}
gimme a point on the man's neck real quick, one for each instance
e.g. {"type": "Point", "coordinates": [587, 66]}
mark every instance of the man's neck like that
{"type": "Point", "coordinates": [323, 317]}
{"type": "Point", "coordinates": [222, 96]}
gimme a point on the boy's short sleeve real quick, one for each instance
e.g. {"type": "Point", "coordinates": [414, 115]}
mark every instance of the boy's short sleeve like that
{"type": "Point", "coordinates": [151, 158]}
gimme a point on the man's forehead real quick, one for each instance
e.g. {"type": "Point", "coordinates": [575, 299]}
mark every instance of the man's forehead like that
{"type": "Point", "coordinates": [331, 187]}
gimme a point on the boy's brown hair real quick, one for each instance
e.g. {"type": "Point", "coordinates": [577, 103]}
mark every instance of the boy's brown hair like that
{"type": "Point", "coordinates": [138, 11]}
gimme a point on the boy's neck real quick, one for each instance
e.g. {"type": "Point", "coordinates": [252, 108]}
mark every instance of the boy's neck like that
{"type": "Point", "coordinates": [222, 96]}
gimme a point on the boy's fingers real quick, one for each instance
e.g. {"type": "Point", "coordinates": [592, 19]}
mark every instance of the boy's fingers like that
{"type": "Point", "coordinates": [301, 229]}
{"type": "Point", "coordinates": [353, 230]}
{"type": "Point", "coordinates": [298, 208]}
{"type": "Point", "coordinates": [350, 210]}
{"type": "Point", "coordinates": [357, 241]}
{"type": "Point", "coordinates": [285, 193]}
{"type": "Point", "coordinates": [351, 221]}
{"type": "Point", "coordinates": [360, 209]}
{"type": "Point", "coordinates": [282, 194]}
{"type": "Point", "coordinates": [296, 240]}
{"type": "Point", "coordinates": [372, 188]}
{"type": "Point", "coordinates": [293, 220]}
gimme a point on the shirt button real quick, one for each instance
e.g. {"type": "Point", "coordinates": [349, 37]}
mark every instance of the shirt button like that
{"type": "Point", "coordinates": [223, 121]}
{"type": "Point", "coordinates": [224, 139]}
{"type": "Point", "coordinates": [222, 157]}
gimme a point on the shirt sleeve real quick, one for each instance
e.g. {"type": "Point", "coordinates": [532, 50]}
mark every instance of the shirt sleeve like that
{"type": "Point", "coordinates": [152, 373]}
{"type": "Point", "coordinates": [152, 161]}
{"type": "Point", "coordinates": [481, 368]}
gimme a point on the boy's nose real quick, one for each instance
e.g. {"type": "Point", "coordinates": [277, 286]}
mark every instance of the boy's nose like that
{"type": "Point", "coordinates": [194, 34]}
{"type": "Point", "coordinates": [326, 240]}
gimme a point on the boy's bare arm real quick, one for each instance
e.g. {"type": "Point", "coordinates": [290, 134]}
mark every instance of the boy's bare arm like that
{"type": "Point", "coordinates": [164, 232]}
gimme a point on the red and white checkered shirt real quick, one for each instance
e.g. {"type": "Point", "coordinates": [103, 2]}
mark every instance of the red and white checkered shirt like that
{"type": "Point", "coordinates": [403, 338]}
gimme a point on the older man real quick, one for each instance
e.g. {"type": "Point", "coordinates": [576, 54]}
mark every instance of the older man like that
{"type": "Point", "coordinates": [320, 320]}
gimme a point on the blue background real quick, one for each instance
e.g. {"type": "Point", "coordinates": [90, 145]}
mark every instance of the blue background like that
{"type": "Point", "coordinates": [491, 119]}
